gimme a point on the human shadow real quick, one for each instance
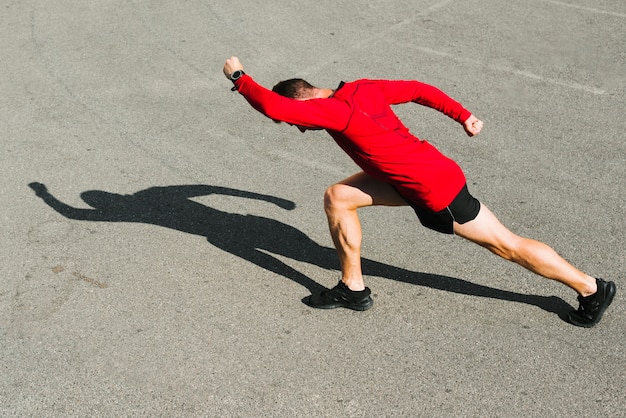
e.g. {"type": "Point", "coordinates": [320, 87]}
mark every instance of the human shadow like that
{"type": "Point", "coordinates": [257, 239]}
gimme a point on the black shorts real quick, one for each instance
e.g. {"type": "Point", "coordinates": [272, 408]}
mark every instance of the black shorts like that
{"type": "Point", "coordinates": [463, 208]}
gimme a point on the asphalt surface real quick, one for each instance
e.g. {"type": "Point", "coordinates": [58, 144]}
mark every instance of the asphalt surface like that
{"type": "Point", "coordinates": [163, 273]}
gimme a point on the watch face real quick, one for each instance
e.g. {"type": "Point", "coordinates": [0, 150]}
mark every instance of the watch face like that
{"type": "Point", "coordinates": [236, 75]}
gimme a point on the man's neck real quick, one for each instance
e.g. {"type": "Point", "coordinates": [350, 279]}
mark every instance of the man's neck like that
{"type": "Point", "coordinates": [322, 93]}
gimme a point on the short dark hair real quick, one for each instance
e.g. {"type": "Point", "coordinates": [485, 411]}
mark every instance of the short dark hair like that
{"type": "Point", "coordinates": [293, 88]}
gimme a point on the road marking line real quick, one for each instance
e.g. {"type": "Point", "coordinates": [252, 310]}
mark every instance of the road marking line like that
{"type": "Point", "coordinates": [522, 73]}
{"type": "Point", "coordinates": [587, 9]}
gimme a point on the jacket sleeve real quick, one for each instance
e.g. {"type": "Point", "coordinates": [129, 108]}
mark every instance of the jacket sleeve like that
{"type": "Point", "coordinates": [314, 113]}
{"type": "Point", "coordinates": [424, 94]}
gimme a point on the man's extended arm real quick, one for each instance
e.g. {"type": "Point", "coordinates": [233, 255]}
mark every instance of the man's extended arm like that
{"type": "Point", "coordinates": [313, 113]}
{"type": "Point", "coordinates": [430, 96]}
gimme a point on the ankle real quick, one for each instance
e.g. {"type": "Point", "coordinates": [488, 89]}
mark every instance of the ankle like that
{"type": "Point", "coordinates": [590, 289]}
{"type": "Point", "coordinates": [355, 285]}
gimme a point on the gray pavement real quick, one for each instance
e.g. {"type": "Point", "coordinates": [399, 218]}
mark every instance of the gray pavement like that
{"type": "Point", "coordinates": [165, 275]}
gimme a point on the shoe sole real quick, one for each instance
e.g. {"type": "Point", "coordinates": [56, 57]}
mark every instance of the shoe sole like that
{"type": "Point", "coordinates": [365, 305]}
{"type": "Point", "coordinates": [611, 290]}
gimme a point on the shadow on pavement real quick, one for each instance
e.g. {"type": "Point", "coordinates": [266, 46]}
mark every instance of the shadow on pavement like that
{"type": "Point", "coordinates": [255, 238]}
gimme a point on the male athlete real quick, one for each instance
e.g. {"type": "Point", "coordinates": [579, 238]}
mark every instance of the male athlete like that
{"type": "Point", "coordinates": [400, 169]}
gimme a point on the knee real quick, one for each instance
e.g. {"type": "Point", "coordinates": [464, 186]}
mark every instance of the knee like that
{"type": "Point", "coordinates": [510, 249]}
{"type": "Point", "coordinates": [336, 198]}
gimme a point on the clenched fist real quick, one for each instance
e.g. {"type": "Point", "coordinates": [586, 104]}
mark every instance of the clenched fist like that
{"type": "Point", "coordinates": [232, 65]}
{"type": "Point", "coordinates": [473, 125]}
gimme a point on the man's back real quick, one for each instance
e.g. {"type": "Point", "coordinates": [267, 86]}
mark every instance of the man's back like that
{"type": "Point", "coordinates": [380, 144]}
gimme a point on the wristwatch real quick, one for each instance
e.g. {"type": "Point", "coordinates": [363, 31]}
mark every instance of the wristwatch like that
{"type": "Point", "coordinates": [236, 75]}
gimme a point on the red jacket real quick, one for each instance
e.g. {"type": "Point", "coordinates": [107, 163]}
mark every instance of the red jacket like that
{"type": "Point", "coordinates": [359, 118]}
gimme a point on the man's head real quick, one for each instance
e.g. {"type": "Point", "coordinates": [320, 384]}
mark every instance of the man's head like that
{"type": "Point", "coordinates": [299, 89]}
{"type": "Point", "coordinates": [295, 88]}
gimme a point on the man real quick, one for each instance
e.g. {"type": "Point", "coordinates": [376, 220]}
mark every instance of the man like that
{"type": "Point", "coordinates": [400, 169]}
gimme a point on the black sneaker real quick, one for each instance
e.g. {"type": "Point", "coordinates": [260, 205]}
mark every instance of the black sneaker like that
{"type": "Point", "coordinates": [341, 296]}
{"type": "Point", "coordinates": [593, 306]}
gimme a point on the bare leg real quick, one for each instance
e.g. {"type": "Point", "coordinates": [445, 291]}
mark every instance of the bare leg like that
{"type": "Point", "coordinates": [341, 202]}
{"type": "Point", "coordinates": [487, 231]}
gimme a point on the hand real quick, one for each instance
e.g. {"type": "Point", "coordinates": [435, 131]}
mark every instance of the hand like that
{"type": "Point", "coordinates": [232, 65]}
{"type": "Point", "coordinates": [473, 125]}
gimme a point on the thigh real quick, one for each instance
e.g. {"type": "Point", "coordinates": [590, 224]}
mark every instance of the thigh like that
{"type": "Point", "coordinates": [463, 209]}
{"type": "Point", "coordinates": [486, 230]}
{"type": "Point", "coordinates": [364, 190]}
